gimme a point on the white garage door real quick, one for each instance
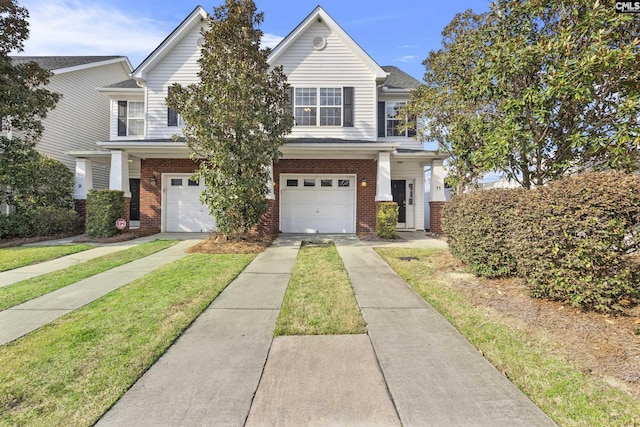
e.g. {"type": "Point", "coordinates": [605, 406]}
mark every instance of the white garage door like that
{"type": "Point", "coordinates": [184, 211]}
{"type": "Point", "coordinates": [317, 204]}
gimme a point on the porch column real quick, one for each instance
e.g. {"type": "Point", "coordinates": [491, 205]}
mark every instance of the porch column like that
{"type": "Point", "coordinates": [437, 181]}
{"type": "Point", "coordinates": [271, 195]}
{"type": "Point", "coordinates": [83, 179]}
{"type": "Point", "coordinates": [119, 174]}
{"type": "Point", "coordinates": [383, 182]}
{"type": "Point", "coordinates": [437, 198]}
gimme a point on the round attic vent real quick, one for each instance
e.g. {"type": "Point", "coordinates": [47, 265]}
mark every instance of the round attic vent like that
{"type": "Point", "coordinates": [319, 43]}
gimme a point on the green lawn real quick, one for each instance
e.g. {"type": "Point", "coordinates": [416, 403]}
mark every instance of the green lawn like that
{"type": "Point", "coordinates": [530, 360]}
{"type": "Point", "coordinates": [319, 299]}
{"type": "Point", "coordinates": [25, 290]}
{"type": "Point", "coordinates": [71, 371]}
{"type": "Point", "coordinates": [11, 258]}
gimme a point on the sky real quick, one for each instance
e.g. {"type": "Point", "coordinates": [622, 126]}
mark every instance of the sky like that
{"type": "Point", "coordinates": [392, 32]}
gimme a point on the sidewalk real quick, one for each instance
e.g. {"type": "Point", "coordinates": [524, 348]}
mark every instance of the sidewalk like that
{"type": "Point", "coordinates": [31, 315]}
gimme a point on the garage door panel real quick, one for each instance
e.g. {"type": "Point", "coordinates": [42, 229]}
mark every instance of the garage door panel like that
{"type": "Point", "coordinates": [317, 209]}
{"type": "Point", "coordinates": [184, 211]}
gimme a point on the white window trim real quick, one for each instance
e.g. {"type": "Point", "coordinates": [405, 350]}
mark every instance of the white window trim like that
{"type": "Point", "coordinates": [388, 119]}
{"type": "Point", "coordinates": [318, 106]}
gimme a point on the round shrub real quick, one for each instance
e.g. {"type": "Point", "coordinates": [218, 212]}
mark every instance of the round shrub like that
{"type": "Point", "coordinates": [477, 226]}
{"type": "Point", "coordinates": [104, 207]}
{"type": "Point", "coordinates": [578, 240]}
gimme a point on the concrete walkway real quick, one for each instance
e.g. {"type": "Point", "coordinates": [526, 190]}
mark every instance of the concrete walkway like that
{"type": "Point", "coordinates": [412, 369]}
{"type": "Point", "coordinates": [31, 315]}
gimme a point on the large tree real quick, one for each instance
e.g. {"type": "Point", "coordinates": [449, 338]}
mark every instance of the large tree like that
{"type": "Point", "coordinates": [24, 102]}
{"type": "Point", "coordinates": [535, 89]}
{"type": "Point", "coordinates": [235, 117]}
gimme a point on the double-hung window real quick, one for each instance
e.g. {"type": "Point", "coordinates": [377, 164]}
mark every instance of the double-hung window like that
{"type": "Point", "coordinates": [325, 106]}
{"type": "Point", "coordinates": [173, 118]}
{"type": "Point", "coordinates": [389, 120]}
{"type": "Point", "coordinates": [130, 118]}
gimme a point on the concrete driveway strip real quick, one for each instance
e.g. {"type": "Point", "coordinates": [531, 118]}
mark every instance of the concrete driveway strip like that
{"type": "Point", "coordinates": [435, 376]}
{"type": "Point", "coordinates": [31, 315]}
{"type": "Point", "coordinates": [209, 376]}
{"type": "Point", "coordinates": [322, 380]}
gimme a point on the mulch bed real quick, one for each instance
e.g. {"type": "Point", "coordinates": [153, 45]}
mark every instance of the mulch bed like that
{"type": "Point", "coordinates": [606, 345]}
{"type": "Point", "coordinates": [218, 243]}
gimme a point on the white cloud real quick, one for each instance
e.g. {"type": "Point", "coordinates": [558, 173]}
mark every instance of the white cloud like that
{"type": "Point", "coordinates": [74, 27]}
{"type": "Point", "coordinates": [271, 40]}
{"type": "Point", "coordinates": [406, 58]}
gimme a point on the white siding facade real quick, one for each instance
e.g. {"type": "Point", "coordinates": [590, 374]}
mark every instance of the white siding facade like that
{"type": "Point", "coordinates": [81, 117]}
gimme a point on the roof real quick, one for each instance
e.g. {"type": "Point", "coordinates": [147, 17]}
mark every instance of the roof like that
{"type": "Point", "coordinates": [59, 64]}
{"type": "Point", "coordinates": [320, 15]}
{"type": "Point", "coordinates": [398, 79]}
{"type": "Point", "coordinates": [126, 84]}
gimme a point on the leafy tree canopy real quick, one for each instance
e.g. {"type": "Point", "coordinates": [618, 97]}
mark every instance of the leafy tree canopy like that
{"type": "Point", "coordinates": [235, 117]}
{"type": "Point", "coordinates": [24, 101]}
{"type": "Point", "coordinates": [535, 89]}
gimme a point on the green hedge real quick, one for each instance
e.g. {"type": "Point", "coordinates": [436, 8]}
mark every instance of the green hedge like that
{"type": "Point", "coordinates": [41, 221]}
{"type": "Point", "coordinates": [387, 220]}
{"type": "Point", "coordinates": [104, 207]}
{"type": "Point", "coordinates": [578, 240]}
{"type": "Point", "coordinates": [478, 232]}
{"type": "Point", "coordinates": [575, 240]}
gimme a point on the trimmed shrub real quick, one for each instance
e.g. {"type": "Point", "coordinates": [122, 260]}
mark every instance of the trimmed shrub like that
{"type": "Point", "coordinates": [387, 220]}
{"type": "Point", "coordinates": [42, 221]}
{"type": "Point", "coordinates": [578, 240]}
{"type": "Point", "coordinates": [104, 207]}
{"type": "Point", "coordinates": [478, 229]}
{"type": "Point", "coordinates": [47, 182]}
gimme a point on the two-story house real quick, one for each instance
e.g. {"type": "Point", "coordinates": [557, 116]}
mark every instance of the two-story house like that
{"type": "Point", "coordinates": [344, 155]}
{"type": "Point", "coordinates": [81, 116]}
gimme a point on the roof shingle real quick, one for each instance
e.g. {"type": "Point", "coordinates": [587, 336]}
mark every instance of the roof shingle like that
{"type": "Point", "coordinates": [58, 62]}
{"type": "Point", "coordinates": [398, 79]}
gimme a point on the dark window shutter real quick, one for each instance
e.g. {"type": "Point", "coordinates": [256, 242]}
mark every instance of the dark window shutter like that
{"type": "Point", "coordinates": [172, 115]}
{"type": "Point", "coordinates": [382, 131]}
{"type": "Point", "coordinates": [413, 125]}
{"type": "Point", "coordinates": [347, 107]}
{"type": "Point", "coordinates": [290, 104]}
{"type": "Point", "coordinates": [122, 118]}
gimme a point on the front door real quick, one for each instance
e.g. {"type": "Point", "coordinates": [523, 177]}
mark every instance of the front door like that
{"type": "Point", "coordinates": [134, 209]}
{"type": "Point", "coordinates": [399, 193]}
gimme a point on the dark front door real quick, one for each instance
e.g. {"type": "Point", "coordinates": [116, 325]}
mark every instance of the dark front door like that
{"type": "Point", "coordinates": [398, 191]}
{"type": "Point", "coordinates": [134, 210]}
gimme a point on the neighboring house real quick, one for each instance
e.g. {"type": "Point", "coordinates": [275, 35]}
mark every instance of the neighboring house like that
{"type": "Point", "coordinates": [344, 155]}
{"type": "Point", "coordinates": [81, 117]}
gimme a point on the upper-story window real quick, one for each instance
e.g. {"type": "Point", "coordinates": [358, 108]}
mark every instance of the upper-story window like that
{"type": "Point", "coordinates": [130, 118]}
{"type": "Point", "coordinates": [389, 120]}
{"type": "Point", "coordinates": [327, 106]}
{"type": "Point", "coordinates": [173, 118]}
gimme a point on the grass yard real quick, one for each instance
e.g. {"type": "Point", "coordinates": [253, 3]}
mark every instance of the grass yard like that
{"type": "Point", "coordinates": [11, 258]}
{"type": "Point", "coordinates": [319, 299]}
{"type": "Point", "coordinates": [25, 290]}
{"type": "Point", "coordinates": [531, 360]}
{"type": "Point", "coordinates": [71, 371]}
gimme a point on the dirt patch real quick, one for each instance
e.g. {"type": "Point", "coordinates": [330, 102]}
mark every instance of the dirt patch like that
{"type": "Point", "coordinates": [239, 244]}
{"type": "Point", "coordinates": [122, 237]}
{"type": "Point", "coordinates": [602, 344]}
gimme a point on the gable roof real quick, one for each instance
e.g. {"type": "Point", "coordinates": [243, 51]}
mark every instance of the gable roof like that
{"type": "Point", "coordinates": [319, 14]}
{"type": "Point", "coordinates": [398, 79]}
{"type": "Point", "coordinates": [197, 15]}
{"type": "Point", "coordinates": [65, 64]}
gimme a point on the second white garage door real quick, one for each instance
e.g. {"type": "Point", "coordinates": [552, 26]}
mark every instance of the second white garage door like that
{"type": "Point", "coordinates": [184, 211]}
{"type": "Point", "coordinates": [317, 204]}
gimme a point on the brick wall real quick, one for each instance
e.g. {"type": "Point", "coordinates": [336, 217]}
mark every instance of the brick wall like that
{"type": "Point", "coordinates": [151, 194]}
{"type": "Point", "coordinates": [80, 206]}
{"type": "Point", "coordinates": [435, 216]}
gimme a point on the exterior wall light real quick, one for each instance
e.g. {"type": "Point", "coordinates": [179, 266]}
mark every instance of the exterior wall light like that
{"type": "Point", "coordinates": [153, 180]}
{"type": "Point", "coordinates": [363, 182]}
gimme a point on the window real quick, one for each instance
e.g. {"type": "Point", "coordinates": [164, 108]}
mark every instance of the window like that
{"type": "Point", "coordinates": [389, 121]}
{"type": "Point", "coordinates": [130, 118]}
{"type": "Point", "coordinates": [176, 182]}
{"type": "Point", "coordinates": [173, 118]}
{"type": "Point", "coordinates": [309, 182]}
{"type": "Point", "coordinates": [192, 183]}
{"type": "Point", "coordinates": [410, 193]}
{"type": "Point", "coordinates": [292, 183]}
{"type": "Point", "coordinates": [329, 106]}
{"type": "Point", "coordinates": [326, 183]}
{"type": "Point", "coordinates": [343, 183]}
